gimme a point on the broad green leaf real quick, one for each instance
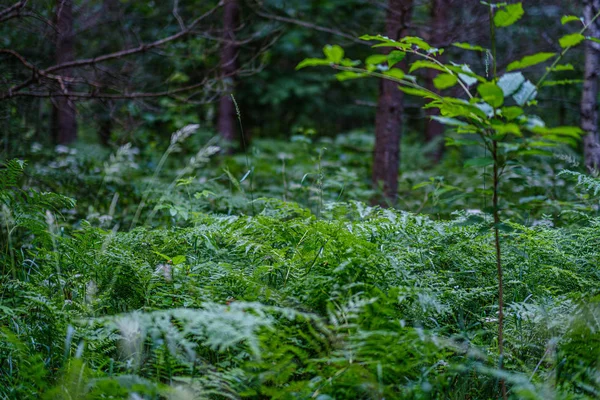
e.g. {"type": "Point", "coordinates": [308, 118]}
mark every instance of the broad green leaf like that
{"type": "Point", "coordinates": [479, 162]}
{"type": "Point", "coordinates": [395, 57]}
{"type": "Point", "coordinates": [333, 53]}
{"type": "Point", "coordinates": [541, 143]}
{"type": "Point", "coordinates": [398, 45]}
{"type": "Point", "coordinates": [416, 41]}
{"type": "Point", "coordinates": [312, 62]}
{"type": "Point", "coordinates": [512, 112]}
{"type": "Point", "coordinates": [509, 15]}
{"type": "Point", "coordinates": [468, 46]}
{"type": "Point", "coordinates": [376, 59]}
{"type": "Point", "coordinates": [505, 129]}
{"type": "Point", "coordinates": [346, 75]}
{"type": "Point", "coordinates": [485, 108]}
{"type": "Point", "coordinates": [395, 73]}
{"type": "Point", "coordinates": [510, 82]}
{"type": "Point", "coordinates": [528, 61]}
{"type": "Point", "coordinates": [593, 39]}
{"type": "Point", "coordinates": [465, 74]}
{"type": "Point", "coordinates": [419, 92]}
{"type": "Point", "coordinates": [533, 121]}
{"type": "Point", "coordinates": [449, 121]}
{"type": "Point", "coordinates": [570, 40]}
{"type": "Point", "coordinates": [569, 18]}
{"type": "Point", "coordinates": [561, 67]}
{"type": "Point", "coordinates": [534, 152]}
{"type": "Point", "coordinates": [444, 81]}
{"type": "Point", "coordinates": [346, 62]}
{"type": "Point", "coordinates": [562, 82]}
{"type": "Point", "coordinates": [452, 107]}
{"type": "Point", "coordinates": [384, 39]}
{"type": "Point", "coordinates": [425, 64]}
{"type": "Point", "coordinates": [571, 131]}
{"type": "Point", "coordinates": [178, 260]}
{"type": "Point", "coordinates": [491, 94]}
{"type": "Point", "coordinates": [527, 92]}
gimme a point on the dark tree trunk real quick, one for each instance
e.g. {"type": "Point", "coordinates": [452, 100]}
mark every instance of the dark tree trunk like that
{"type": "Point", "coordinates": [65, 113]}
{"type": "Point", "coordinates": [439, 32]}
{"type": "Point", "coordinates": [589, 96]}
{"type": "Point", "coordinates": [227, 125]}
{"type": "Point", "coordinates": [388, 122]}
{"type": "Point", "coordinates": [110, 12]}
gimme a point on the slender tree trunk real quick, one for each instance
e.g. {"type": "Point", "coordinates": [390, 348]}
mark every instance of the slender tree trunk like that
{"type": "Point", "coordinates": [65, 113]}
{"type": "Point", "coordinates": [589, 97]}
{"type": "Point", "coordinates": [439, 31]}
{"type": "Point", "coordinates": [227, 125]}
{"type": "Point", "coordinates": [110, 11]}
{"type": "Point", "coordinates": [388, 122]}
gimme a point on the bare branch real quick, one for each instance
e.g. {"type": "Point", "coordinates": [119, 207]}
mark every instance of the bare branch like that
{"type": "Point", "coordinates": [15, 7]}
{"type": "Point", "coordinates": [176, 14]}
{"type": "Point", "coordinates": [139, 49]}
{"type": "Point", "coordinates": [309, 25]}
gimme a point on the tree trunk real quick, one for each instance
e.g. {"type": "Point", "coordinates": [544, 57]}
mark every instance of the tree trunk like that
{"type": "Point", "coordinates": [439, 33]}
{"type": "Point", "coordinates": [65, 113]}
{"type": "Point", "coordinates": [589, 97]}
{"type": "Point", "coordinates": [227, 125]}
{"type": "Point", "coordinates": [388, 122]}
{"type": "Point", "coordinates": [110, 11]}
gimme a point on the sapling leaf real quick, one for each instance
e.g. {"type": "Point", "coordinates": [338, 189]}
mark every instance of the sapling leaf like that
{"type": "Point", "coordinates": [512, 112]}
{"type": "Point", "coordinates": [526, 92]}
{"type": "Point", "coordinates": [425, 64]}
{"type": "Point", "coordinates": [570, 40]}
{"type": "Point", "coordinates": [416, 41]}
{"type": "Point", "coordinates": [444, 81]}
{"type": "Point", "coordinates": [491, 94]}
{"type": "Point", "coordinates": [395, 73]}
{"type": "Point", "coordinates": [561, 67]}
{"type": "Point", "coordinates": [509, 15]}
{"type": "Point", "coordinates": [312, 62]}
{"type": "Point", "coordinates": [468, 46]}
{"type": "Point", "coordinates": [510, 82]}
{"type": "Point", "coordinates": [465, 73]}
{"type": "Point", "coordinates": [418, 92]}
{"type": "Point", "coordinates": [509, 128]}
{"type": "Point", "coordinates": [395, 57]}
{"type": "Point", "coordinates": [347, 62]}
{"type": "Point", "coordinates": [333, 53]}
{"type": "Point", "coordinates": [570, 18]}
{"type": "Point", "coordinates": [529, 61]}
{"type": "Point", "coordinates": [346, 75]}
{"type": "Point", "coordinates": [562, 82]}
{"type": "Point", "coordinates": [375, 59]}
{"type": "Point", "coordinates": [449, 121]}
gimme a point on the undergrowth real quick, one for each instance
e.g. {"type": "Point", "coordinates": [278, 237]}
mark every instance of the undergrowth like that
{"type": "Point", "coordinates": [305, 299]}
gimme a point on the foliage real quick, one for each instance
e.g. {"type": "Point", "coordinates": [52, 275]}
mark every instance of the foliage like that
{"type": "Point", "coordinates": [359, 302]}
{"type": "Point", "coordinates": [182, 272]}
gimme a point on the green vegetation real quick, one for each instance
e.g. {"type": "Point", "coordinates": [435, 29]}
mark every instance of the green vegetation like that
{"type": "Point", "coordinates": [305, 292]}
{"type": "Point", "coordinates": [178, 268]}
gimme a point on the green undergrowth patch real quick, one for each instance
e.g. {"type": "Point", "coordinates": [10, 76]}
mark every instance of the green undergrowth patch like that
{"type": "Point", "coordinates": [358, 303]}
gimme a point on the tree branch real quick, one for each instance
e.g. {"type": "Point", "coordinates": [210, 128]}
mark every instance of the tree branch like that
{"type": "Point", "coordinates": [15, 7]}
{"type": "Point", "coordinates": [139, 49]}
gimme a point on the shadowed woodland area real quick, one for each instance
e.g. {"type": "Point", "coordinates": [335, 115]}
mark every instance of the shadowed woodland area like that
{"type": "Point", "coordinates": [294, 199]}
